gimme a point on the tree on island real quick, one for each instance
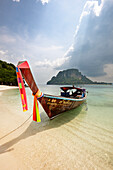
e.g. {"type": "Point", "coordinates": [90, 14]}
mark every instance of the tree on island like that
{"type": "Point", "coordinates": [7, 74]}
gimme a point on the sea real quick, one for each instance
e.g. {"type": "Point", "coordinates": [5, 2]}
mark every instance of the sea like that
{"type": "Point", "coordinates": [78, 139]}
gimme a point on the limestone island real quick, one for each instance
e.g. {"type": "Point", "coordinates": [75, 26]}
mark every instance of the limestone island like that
{"type": "Point", "coordinates": [72, 77]}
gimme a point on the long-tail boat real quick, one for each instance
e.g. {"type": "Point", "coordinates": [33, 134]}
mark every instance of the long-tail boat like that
{"type": "Point", "coordinates": [70, 97]}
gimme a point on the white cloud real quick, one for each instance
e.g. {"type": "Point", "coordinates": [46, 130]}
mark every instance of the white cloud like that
{"type": "Point", "coordinates": [8, 39]}
{"type": "Point", "coordinates": [7, 56]}
{"type": "Point", "coordinates": [39, 47]}
{"type": "Point", "coordinates": [88, 8]}
{"type": "Point", "coordinates": [45, 1]}
{"type": "Point", "coordinates": [108, 69]}
{"type": "Point", "coordinates": [93, 40]}
{"type": "Point", "coordinates": [52, 64]}
{"type": "Point", "coordinates": [16, 0]}
{"type": "Point", "coordinates": [2, 52]}
{"type": "Point", "coordinates": [5, 37]}
{"type": "Point", "coordinates": [14, 48]}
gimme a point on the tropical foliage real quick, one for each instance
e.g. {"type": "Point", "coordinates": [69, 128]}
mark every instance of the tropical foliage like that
{"type": "Point", "coordinates": [7, 74]}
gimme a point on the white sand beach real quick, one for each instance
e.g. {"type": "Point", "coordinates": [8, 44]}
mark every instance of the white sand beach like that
{"type": "Point", "coordinates": [5, 87]}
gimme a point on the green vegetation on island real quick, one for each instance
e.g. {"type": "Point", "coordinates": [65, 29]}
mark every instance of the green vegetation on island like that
{"type": "Point", "coordinates": [71, 76]}
{"type": "Point", "coordinates": [7, 74]}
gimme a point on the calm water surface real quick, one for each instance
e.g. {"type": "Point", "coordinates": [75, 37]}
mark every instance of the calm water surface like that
{"type": "Point", "coordinates": [85, 133]}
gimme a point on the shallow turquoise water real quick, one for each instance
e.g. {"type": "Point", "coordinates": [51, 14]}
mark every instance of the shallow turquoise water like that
{"type": "Point", "coordinates": [86, 132]}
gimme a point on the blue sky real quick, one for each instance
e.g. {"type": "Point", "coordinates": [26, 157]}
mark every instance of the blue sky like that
{"type": "Point", "coordinates": [54, 35]}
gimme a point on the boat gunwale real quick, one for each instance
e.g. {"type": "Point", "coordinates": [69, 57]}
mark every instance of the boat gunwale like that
{"type": "Point", "coordinates": [64, 98]}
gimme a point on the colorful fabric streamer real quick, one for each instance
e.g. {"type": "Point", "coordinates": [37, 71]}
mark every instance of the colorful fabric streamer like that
{"type": "Point", "coordinates": [38, 95]}
{"type": "Point", "coordinates": [22, 90]}
{"type": "Point", "coordinates": [36, 115]}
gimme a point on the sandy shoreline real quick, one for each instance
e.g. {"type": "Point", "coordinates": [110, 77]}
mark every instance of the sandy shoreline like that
{"type": "Point", "coordinates": [5, 87]}
{"type": "Point", "coordinates": [74, 140]}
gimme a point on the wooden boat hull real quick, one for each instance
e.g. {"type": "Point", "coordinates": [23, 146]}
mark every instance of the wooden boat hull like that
{"type": "Point", "coordinates": [54, 105]}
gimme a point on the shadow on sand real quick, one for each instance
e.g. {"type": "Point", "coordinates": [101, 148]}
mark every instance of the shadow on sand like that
{"type": "Point", "coordinates": [46, 124]}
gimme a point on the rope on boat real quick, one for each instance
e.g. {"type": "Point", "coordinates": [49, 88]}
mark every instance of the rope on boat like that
{"type": "Point", "coordinates": [16, 128]}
